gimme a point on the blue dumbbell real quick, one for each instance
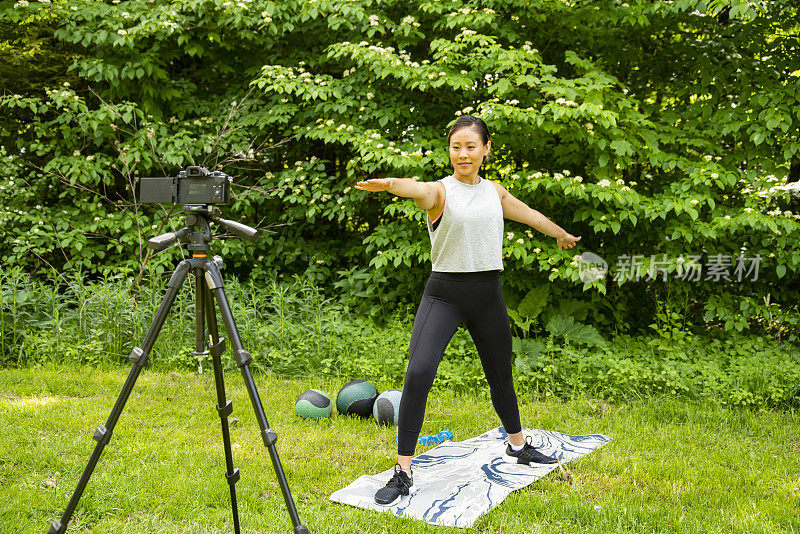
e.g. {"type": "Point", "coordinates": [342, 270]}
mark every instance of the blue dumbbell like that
{"type": "Point", "coordinates": [427, 439]}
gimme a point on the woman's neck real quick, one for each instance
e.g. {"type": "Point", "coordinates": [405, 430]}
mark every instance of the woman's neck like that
{"type": "Point", "coordinates": [469, 180]}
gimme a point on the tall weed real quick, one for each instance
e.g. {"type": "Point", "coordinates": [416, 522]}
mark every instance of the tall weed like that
{"type": "Point", "coordinates": [293, 329]}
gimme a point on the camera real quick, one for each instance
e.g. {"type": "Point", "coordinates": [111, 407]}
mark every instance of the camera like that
{"type": "Point", "coordinates": [193, 185]}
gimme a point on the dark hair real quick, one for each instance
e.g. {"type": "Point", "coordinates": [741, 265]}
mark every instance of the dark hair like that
{"type": "Point", "coordinates": [465, 121]}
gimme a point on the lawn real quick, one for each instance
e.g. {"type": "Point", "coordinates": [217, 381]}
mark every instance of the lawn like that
{"type": "Point", "coordinates": [672, 465]}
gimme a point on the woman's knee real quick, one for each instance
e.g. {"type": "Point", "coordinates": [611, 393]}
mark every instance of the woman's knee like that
{"type": "Point", "coordinates": [419, 378]}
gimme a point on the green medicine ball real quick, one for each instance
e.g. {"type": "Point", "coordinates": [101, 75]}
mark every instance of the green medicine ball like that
{"type": "Point", "coordinates": [356, 398]}
{"type": "Point", "coordinates": [313, 404]}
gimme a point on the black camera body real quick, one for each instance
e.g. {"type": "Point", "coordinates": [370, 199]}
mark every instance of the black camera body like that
{"type": "Point", "coordinates": [193, 185]}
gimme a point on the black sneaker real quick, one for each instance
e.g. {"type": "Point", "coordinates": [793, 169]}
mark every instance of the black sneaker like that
{"type": "Point", "coordinates": [526, 455]}
{"type": "Point", "coordinates": [398, 486]}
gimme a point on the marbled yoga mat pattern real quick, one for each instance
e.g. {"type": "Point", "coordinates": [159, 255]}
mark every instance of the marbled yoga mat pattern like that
{"type": "Point", "coordinates": [457, 481]}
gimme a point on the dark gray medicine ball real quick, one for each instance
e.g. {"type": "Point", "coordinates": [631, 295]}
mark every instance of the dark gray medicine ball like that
{"type": "Point", "coordinates": [356, 398]}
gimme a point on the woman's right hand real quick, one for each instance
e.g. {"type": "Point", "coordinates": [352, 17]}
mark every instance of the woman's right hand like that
{"type": "Point", "coordinates": [374, 184]}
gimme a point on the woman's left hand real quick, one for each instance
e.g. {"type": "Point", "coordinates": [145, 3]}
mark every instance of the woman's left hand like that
{"type": "Point", "coordinates": [567, 241]}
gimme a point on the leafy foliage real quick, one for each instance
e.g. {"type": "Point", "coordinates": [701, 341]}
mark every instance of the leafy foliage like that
{"type": "Point", "coordinates": [294, 330]}
{"type": "Point", "coordinates": [659, 131]}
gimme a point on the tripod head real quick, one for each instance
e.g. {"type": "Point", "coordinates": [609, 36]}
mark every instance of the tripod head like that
{"type": "Point", "coordinates": [197, 232]}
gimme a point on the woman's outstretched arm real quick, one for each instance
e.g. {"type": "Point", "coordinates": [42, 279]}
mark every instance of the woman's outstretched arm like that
{"type": "Point", "coordinates": [425, 194]}
{"type": "Point", "coordinates": [516, 210]}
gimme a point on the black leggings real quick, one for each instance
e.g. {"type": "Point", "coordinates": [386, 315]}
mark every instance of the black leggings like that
{"type": "Point", "coordinates": [449, 300]}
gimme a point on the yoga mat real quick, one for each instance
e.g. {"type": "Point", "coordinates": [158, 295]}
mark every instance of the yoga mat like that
{"type": "Point", "coordinates": [457, 481]}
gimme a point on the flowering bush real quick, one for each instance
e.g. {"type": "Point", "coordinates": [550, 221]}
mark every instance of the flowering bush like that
{"type": "Point", "coordinates": [609, 131]}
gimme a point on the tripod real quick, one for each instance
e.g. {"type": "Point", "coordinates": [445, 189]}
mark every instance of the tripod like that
{"type": "Point", "coordinates": [208, 286]}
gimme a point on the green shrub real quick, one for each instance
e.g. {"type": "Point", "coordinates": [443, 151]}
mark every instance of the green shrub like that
{"type": "Point", "coordinates": [601, 129]}
{"type": "Point", "coordinates": [293, 329]}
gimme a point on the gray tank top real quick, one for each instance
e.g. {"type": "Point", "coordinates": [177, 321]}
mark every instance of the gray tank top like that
{"type": "Point", "coordinates": [468, 235]}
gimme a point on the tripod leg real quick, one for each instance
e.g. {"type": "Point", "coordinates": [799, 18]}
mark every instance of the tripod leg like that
{"type": "Point", "coordinates": [205, 303]}
{"type": "Point", "coordinates": [139, 358]}
{"type": "Point", "coordinates": [213, 278]}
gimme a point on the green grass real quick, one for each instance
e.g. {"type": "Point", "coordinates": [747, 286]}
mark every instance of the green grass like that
{"type": "Point", "coordinates": [672, 466]}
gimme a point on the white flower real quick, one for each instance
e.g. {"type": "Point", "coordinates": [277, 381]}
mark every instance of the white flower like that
{"type": "Point", "coordinates": [714, 175]}
{"type": "Point", "coordinates": [122, 32]}
{"type": "Point", "coordinates": [604, 183]}
{"type": "Point", "coordinates": [694, 201]}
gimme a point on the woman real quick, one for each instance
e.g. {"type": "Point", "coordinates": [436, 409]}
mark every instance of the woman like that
{"type": "Point", "coordinates": [465, 224]}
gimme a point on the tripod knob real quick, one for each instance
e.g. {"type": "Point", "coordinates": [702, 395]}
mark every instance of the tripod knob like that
{"type": "Point", "coordinates": [160, 242]}
{"type": "Point", "coordinates": [238, 229]}
{"type": "Point", "coordinates": [219, 262]}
